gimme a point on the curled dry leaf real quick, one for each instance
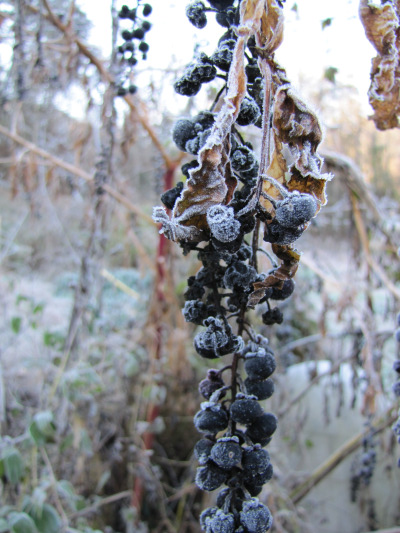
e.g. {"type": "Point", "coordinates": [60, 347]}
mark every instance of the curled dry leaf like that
{"type": "Point", "coordinates": [290, 261]}
{"type": "Point", "coordinates": [212, 182]}
{"type": "Point", "coordinates": [382, 28]}
{"type": "Point", "coordinates": [295, 162]}
{"type": "Point", "coordinates": [270, 36]}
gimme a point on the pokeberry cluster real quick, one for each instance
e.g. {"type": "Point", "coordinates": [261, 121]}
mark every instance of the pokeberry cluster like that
{"type": "Point", "coordinates": [363, 466]}
{"type": "Point", "coordinates": [396, 386]}
{"type": "Point", "coordinates": [235, 427]}
{"type": "Point", "coordinates": [133, 36]}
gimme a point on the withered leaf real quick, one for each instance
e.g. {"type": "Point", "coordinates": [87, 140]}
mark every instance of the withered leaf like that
{"type": "Point", "coordinates": [298, 133]}
{"type": "Point", "coordinates": [290, 262]}
{"type": "Point", "coordinates": [270, 36]}
{"type": "Point", "coordinates": [382, 28]}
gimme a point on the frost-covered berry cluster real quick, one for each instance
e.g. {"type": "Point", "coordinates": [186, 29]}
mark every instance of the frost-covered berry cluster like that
{"type": "Point", "coordinates": [133, 36]}
{"type": "Point", "coordinates": [217, 211]}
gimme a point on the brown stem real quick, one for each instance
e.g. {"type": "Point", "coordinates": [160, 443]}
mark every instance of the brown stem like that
{"type": "Point", "coordinates": [337, 457]}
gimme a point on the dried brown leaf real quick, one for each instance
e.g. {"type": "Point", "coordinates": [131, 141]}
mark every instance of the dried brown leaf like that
{"type": "Point", "coordinates": [290, 261]}
{"type": "Point", "coordinates": [270, 36]}
{"type": "Point", "coordinates": [295, 162]}
{"type": "Point", "coordinates": [382, 28]}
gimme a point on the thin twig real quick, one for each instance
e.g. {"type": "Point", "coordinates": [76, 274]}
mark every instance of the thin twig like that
{"type": "Point", "coordinates": [76, 171]}
{"type": "Point", "coordinates": [338, 456]}
{"type": "Point", "coordinates": [100, 503]}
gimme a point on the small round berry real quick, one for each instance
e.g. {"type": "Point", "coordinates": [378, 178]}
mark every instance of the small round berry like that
{"type": "Point", "coordinates": [124, 12]}
{"type": "Point", "coordinates": [144, 47]}
{"type": "Point", "coordinates": [242, 159]}
{"type": "Point", "coordinates": [296, 209]}
{"type": "Point", "coordinates": [138, 34]}
{"type": "Point", "coordinates": [147, 9]}
{"type": "Point", "coordinates": [272, 316]}
{"type": "Point", "coordinates": [169, 197]}
{"type": "Point", "coordinates": [210, 476]}
{"type": "Point", "coordinates": [206, 516]}
{"type": "Point", "coordinates": [249, 112]}
{"type": "Point", "coordinates": [259, 365]}
{"type": "Point", "coordinates": [182, 132]}
{"type": "Point", "coordinates": [195, 311]}
{"type": "Point", "coordinates": [262, 429]}
{"type": "Point", "coordinates": [262, 390]}
{"type": "Point", "coordinates": [227, 452]}
{"type": "Point", "coordinates": [195, 12]}
{"type": "Point", "coordinates": [146, 25]}
{"type": "Point", "coordinates": [212, 418]}
{"type": "Point", "coordinates": [222, 522]}
{"type": "Point", "coordinates": [255, 517]}
{"type": "Point", "coordinates": [245, 409]}
{"type": "Point", "coordinates": [132, 14]}
{"type": "Point", "coordinates": [129, 46]}
{"type": "Point", "coordinates": [255, 460]}
{"type": "Point", "coordinates": [211, 383]}
{"type": "Point", "coordinates": [121, 91]}
{"type": "Point", "coordinates": [132, 89]}
{"type": "Point", "coordinates": [186, 87]}
{"type": "Point", "coordinates": [285, 291]}
{"type": "Point", "coordinates": [239, 276]}
{"type": "Point", "coordinates": [202, 450]}
{"type": "Point", "coordinates": [223, 226]}
{"type": "Point", "coordinates": [221, 4]}
{"type": "Point", "coordinates": [127, 35]}
{"type": "Point", "coordinates": [396, 366]}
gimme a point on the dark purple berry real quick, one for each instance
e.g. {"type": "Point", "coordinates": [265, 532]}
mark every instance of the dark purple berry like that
{"type": "Point", "coordinates": [211, 419]}
{"type": "Point", "coordinates": [262, 429]}
{"type": "Point", "coordinates": [249, 112]}
{"type": "Point", "coordinates": [211, 383]}
{"type": "Point", "coordinates": [261, 389]}
{"type": "Point", "coordinates": [245, 409]}
{"type": "Point", "coordinates": [144, 47]}
{"type": "Point", "coordinates": [202, 450]}
{"type": "Point", "coordinates": [226, 452]}
{"type": "Point", "coordinates": [195, 12]}
{"type": "Point", "coordinates": [295, 210]}
{"type": "Point", "coordinates": [255, 517]}
{"type": "Point", "coordinates": [259, 365]}
{"type": "Point", "coordinates": [147, 9]}
{"type": "Point", "coordinates": [210, 476]}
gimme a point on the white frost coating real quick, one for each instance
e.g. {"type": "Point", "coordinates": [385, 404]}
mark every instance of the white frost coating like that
{"type": "Point", "coordinates": [173, 230]}
{"type": "Point", "coordinates": [223, 226]}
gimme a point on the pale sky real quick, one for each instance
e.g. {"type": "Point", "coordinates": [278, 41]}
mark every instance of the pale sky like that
{"type": "Point", "coordinates": [306, 52]}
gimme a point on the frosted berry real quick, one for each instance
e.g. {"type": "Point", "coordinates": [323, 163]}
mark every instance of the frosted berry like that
{"type": "Point", "coordinates": [186, 87]}
{"type": "Point", "coordinates": [226, 18]}
{"type": "Point", "coordinates": [259, 365]}
{"type": "Point", "coordinates": [255, 517]}
{"type": "Point", "coordinates": [210, 476]}
{"type": "Point", "coordinates": [260, 389]}
{"type": "Point", "coordinates": [212, 418]}
{"type": "Point", "coordinates": [284, 292]}
{"type": "Point", "coordinates": [272, 316]}
{"type": "Point", "coordinates": [216, 340]}
{"type": "Point", "coordinates": [239, 276]}
{"type": "Point", "coordinates": [138, 34]}
{"type": "Point", "coordinates": [242, 158]}
{"type": "Point", "coordinates": [252, 71]}
{"type": "Point", "coordinates": [206, 516]}
{"type": "Point", "coordinates": [143, 47]}
{"type": "Point", "coordinates": [222, 522]}
{"type": "Point", "coordinates": [255, 460]}
{"type": "Point", "coordinates": [195, 12]}
{"type": "Point", "coordinates": [277, 234]}
{"type": "Point", "coordinates": [211, 383]}
{"type": "Point", "coordinates": [396, 366]}
{"type": "Point", "coordinates": [296, 209]}
{"type": "Point", "coordinates": [223, 226]}
{"type": "Point", "coordinates": [262, 429]}
{"type": "Point", "coordinates": [227, 452]}
{"type": "Point", "coordinates": [182, 132]}
{"type": "Point", "coordinates": [169, 197]}
{"type": "Point", "coordinates": [195, 311]}
{"type": "Point", "coordinates": [222, 57]}
{"type": "Point", "coordinates": [195, 289]}
{"type": "Point", "coordinates": [147, 9]}
{"type": "Point", "coordinates": [202, 450]}
{"type": "Point", "coordinates": [146, 25]}
{"type": "Point", "coordinates": [188, 166]}
{"type": "Point", "coordinates": [221, 4]}
{"type": "Point", "coordinates": [249, 112]}
{"type": "Point", "coordinates": [245, 409]}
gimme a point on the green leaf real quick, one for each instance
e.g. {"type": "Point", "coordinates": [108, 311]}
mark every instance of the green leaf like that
{"type": "Point", "coordinates": [330, 74]}
{"type": "Point", "coordinates": [48, 521]}
{"type": "Point", "coordinates": [43, 429]}
{"type": "Point", "coordinates": [53, 339]}
{"type": "Point", "coordinates": [38, 309]}
{"type": "Point", "coordinates": [21, 523]}
{"type": "Point", "coordinates": [16, 324]}
{"type": "Point", "coordinates": [13, 464]}
{"type": "Point", "coordinates": [326, 22]}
